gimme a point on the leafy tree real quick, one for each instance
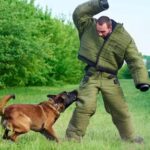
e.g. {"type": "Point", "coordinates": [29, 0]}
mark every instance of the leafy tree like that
{"type": "Point", "coordinates": [36, 49]}
{"type": "Point", "coordinates": [124, 73]}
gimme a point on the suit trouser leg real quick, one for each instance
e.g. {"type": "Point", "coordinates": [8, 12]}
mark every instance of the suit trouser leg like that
{"type": "Point", "coordinates": [85, 108]}
{"type": "Point", "coordinates": [116, 105]}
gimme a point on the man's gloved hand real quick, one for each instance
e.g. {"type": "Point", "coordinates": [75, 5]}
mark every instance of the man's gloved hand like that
{"type": "Point", "coordinates": [143, 87]}
{"type": "Point", "coordinates": [104, 4]}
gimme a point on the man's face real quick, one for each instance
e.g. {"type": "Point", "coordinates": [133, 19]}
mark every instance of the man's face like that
{"type": "Point", "coordinates": [103, 30]}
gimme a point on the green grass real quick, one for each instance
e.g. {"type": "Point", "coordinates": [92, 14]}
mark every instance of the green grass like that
{"type": "Point", "coordinates": [101, 133]}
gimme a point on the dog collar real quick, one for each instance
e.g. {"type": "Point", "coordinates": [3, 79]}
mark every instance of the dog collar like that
{"type": "Point", "coordinates": [55, 109]}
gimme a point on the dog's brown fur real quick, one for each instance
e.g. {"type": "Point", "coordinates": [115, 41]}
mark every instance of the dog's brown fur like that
{"type": "Point", "coordinates": [20, 118]}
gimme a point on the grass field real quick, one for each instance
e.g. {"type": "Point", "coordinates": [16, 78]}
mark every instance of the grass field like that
{"type": "Point", "coordinates": [101, 133]}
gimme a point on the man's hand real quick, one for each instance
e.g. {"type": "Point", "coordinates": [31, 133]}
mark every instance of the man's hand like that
{"type": "Point", "coordinates": [104, 4]}
{"type": "Point", "coordinates": [143, 87]}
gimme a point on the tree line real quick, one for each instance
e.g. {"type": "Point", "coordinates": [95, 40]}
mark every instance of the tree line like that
{"type": "Point", "coordinates": [35, 48]}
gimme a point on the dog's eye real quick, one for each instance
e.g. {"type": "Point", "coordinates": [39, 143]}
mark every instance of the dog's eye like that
{"type": "Point", "coordinates": [62, 100]}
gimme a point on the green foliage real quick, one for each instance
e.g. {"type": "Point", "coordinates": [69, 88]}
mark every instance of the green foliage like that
{"type": "Point", "coordinates": [36, 49]}
{"type": "Point", "coordinates": [147, 58]}
{"type": "Point", "coordinates": [124, 73]}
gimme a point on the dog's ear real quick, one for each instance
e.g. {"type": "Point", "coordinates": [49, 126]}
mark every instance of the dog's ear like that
{"type": "Point", "coordinates": [51, 96]}
{"type": "Point", "coordinates": [75, 92]}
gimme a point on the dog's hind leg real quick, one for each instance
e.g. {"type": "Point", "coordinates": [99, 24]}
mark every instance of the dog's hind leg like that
{"type": "Point", "coordinates": [17, 132]}
{"type": "Point", "coordinates": [5, 135]}
{"type": "Point", "coordinates": [10, 137]}
{"type": "Point", "coordinates": [13, 137]}
{"type": "Point", "coordinates": [20, 125]}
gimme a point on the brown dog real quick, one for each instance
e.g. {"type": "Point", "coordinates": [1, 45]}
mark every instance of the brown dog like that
{"type": "Point", "coordinates": [20, 118]}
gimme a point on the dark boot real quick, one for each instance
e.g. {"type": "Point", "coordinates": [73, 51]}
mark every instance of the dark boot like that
{"type": "Point", "coordinates": [138, 140]}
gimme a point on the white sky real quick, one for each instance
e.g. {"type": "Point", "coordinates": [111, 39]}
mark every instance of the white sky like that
{"type": "Point", "coordinates": [135, 15]}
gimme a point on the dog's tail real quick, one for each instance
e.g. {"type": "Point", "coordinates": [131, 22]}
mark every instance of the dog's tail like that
{"type": "Point", "coordinates": [3, 102]}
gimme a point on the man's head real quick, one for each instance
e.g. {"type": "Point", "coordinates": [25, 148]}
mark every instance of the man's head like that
{"type": "Point", "coordinates": [104, 26]}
